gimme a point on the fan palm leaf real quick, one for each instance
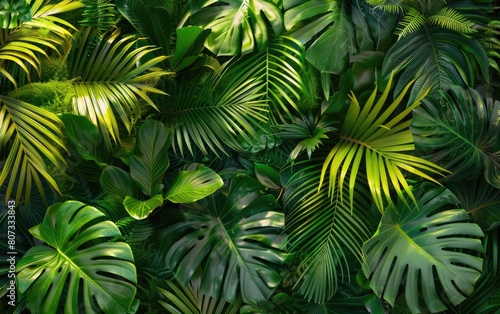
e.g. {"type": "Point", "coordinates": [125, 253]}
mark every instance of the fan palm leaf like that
{"type": "Point", "coordinates": [110, 81]}
{"type": "Point", "coordinates": [35, 134]}
{"type": "Point", "coordinates": [368, 133]}
{"type": "Point", "coordinates": [324, 231]}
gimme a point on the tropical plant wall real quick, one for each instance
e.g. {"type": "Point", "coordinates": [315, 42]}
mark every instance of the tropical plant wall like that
{"type": "Point", "coordinates": [250, 156]}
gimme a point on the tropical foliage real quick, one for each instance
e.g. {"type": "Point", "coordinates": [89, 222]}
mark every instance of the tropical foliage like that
{"type": "Point", "coordinates": [257, 156]}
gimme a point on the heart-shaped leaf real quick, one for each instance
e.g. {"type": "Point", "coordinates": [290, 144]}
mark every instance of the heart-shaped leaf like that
{"type": "Point", "coordinates": [141, 209]}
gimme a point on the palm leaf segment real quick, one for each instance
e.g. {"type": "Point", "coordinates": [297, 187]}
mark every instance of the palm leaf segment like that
{"type": "Point", "coordinates": [424, 246]}
{"type": "Point", "coordinates": [229, 107]}
{"type": "Point", "coordinates": [324, 234]}
{"type": "Point", "coordinates": [234, 237]}
{"type": "Point", "coordinates": [238, 26]}
{"type": "Point", "coordinates": [460, 132]}
{"type": "Point", "coordinates": [36, 144]}
{"type": "Point", "coordinates": [21, 45]}
{"type": "Point", "coordinates": [33, 132]}
{"type": "Point", "coordinates": [370, 133]}
{"type": "Point", "coordinates": [109, 82]}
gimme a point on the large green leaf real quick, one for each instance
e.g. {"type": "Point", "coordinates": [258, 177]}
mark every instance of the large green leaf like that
{"type": "Point", "coordinates": [110, 80]}
{"type": "Point", "coordinates": [330, 51]}
{"type": "Point", "coordinates": [428, 248]}
{"type": "Point", "coordinates": [385, 144]}
{"type": "Point", "coordinates": [150, 159]}
{"type": "Point", "coordinates": [117, 183]}
{"type": "Point", "coordinates": [34, 135]}
{"type": "Point", "coordinates": [86, 138]}
{"type": "Point", "coordinates": [238, 26]}
{"type": "Point", "coordinates": [460, 132]}
{"type": "Point", "coordinates": [234, 236]}
{"type": "Point", "coordinates": [152, 23]}
{"type": "Point", "coordinates": [192, 185]}
{"type": "Point", "coordinates": [93, 273]}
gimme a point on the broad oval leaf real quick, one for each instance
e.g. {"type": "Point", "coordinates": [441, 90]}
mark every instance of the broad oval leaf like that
{"type": "Point", "coordinates": [191, 186]}
{"type": "Point", "coordinates": [117, 182]}
{"type": "Point", "coordinates": [150, 159]}
{"type": "Point", "coordinates": [235, 238]}
{"type": "Point", "coordinates": [93, 273]}
{"type": "Point", "coordinates": [141, 209]}
{"type": "Point", "coordinates": [417, 246]}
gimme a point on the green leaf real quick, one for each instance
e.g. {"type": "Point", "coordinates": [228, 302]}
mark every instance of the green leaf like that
{"type": "Point", "coordinates": [117, 182]}
{"type": "Point", "coordinates": [191, 186]}
{"type": "Point", "coordinates": [150, 159]}
{"type": "Point", "coordinates": [234, 237]}
{"type": "Point", "coordinates": [93, 273]}
{"type": "Point", "coordinates": [268, 176]}
{"type": "Point", "coordinates": [238, 27]}
{"type": "Point", "coordinates": [86, 138]}
{"type": "Point", "coordinates": [419, 244]}
{"type": "Point", "coordinates": [13, 13]}
{"type": "Point", "coordinates": [141, 209]}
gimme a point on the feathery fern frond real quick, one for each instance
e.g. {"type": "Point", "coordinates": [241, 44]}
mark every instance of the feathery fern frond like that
{"type": "Point", "coordinates": [99, 14]}
{"type": "Point", "coordinates": [450, 18]}
{"type": "Point", "coordinates": [411, 22]}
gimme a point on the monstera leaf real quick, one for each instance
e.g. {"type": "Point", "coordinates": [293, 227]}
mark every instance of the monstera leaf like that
{"type": "Point", "coordinates": [235, 237]}
{"type": "Point", "coordinates": [238, 27]}
{"type": "Point", "coordinates": [430, 249]}
{"type": "Point", "coordinates": [93, 274]}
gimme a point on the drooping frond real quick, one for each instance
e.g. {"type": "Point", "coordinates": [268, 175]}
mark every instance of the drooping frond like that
{"type": "Point", "coordinates": [35, 135]}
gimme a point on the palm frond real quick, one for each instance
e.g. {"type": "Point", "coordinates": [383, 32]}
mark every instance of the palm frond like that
{"type": "Point", "coordinates": [451, 19]}
{"type": "Point", "coordinates": [21, 46]}
{"type": "Point", "coordinates": [324, 231]}
{"type": "Point", "coordinates": [436, 57]}
{"type": "Point", "coordinates": [36, 146]}
{"type": "Point", "coordinates": [385, 144]}
{"type": "Point", "coordinates": [457, 131]}
{"type": "Point", "coordinates": [109, 83]}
